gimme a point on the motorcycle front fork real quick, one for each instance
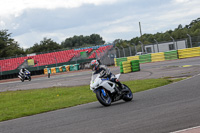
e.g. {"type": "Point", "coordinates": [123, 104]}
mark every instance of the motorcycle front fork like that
{"type": "Point", "coordinates": [103, 91]}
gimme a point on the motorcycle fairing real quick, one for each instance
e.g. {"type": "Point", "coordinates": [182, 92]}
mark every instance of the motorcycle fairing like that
{"type": "Point", "coordinates": [108, 85]}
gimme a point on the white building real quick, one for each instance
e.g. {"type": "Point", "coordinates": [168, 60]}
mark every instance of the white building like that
{"type": "Point", "coordinates": [167, 46]}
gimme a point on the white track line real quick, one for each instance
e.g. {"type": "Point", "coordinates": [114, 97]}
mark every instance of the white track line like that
{"type": "Point", "coordinates": [10, 82]}
{"type": "Point", "coordinates": [189, 130]}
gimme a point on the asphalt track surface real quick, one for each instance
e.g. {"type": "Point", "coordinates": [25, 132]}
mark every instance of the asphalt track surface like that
{"type": "Point", "coordinates": [164, 109]}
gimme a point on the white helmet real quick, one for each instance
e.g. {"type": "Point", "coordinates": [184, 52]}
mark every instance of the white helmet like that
{"type": "Point", "coordinates": [94, 64]}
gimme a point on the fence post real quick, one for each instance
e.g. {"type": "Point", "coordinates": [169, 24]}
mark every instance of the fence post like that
{"type": "Point", "coordinates": [142, 46]}
{"type": "Point", "coordinates": [1, 71]}
{"type": "Point", "coordinates": [157, 45]}
{"type": "Point", "coordinates": [118, 51]}
{"type": "Point", "coordinates": [174, 42]}
{"type": "Point", "coordinates": [37, 66]}
{"type": "Point", "coordinates": [56, 61]}
{"type": "Point", "coordinates": [135, 48]}
{"type": "Point", "coordinates": [123, 51]}
{"type": "Point", "coordinates": [190, 40]}
{"type": "Point", "coordinates": [129, 49]}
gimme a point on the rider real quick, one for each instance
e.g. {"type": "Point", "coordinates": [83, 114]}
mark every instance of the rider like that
{"type": "Point", "coordinates": [22, 72]}
{"type": "Point", "coordinates": [102, 69]}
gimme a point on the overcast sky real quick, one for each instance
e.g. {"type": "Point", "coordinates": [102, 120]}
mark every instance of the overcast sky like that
{"type": "Point", "coordinates": [30, 21]}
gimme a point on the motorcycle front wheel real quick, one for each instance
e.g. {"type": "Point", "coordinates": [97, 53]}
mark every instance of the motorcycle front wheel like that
{"type": "Point", "coordinates": [22, 79]}
{"type": "Point", "coordinates": [29, 78]}
{"type": "Point", "coordinates": [129, 95]}
{"type": "Point", "coordinates": [103, 97]}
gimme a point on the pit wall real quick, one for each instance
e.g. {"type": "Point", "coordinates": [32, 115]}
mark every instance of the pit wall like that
{"type": "Point", "coordinates": [64, 68]}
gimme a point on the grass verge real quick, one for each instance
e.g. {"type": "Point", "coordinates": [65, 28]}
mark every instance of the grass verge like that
{"type": "Point", "coordinates": [15, 104]}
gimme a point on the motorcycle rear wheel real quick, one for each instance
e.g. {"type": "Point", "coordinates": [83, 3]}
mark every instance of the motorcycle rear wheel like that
{"type": "Point", "coordinates": [103, 97]}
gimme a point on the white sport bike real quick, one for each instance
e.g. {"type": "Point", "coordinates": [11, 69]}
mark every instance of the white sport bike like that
{"type": "Point", "coordinates": [107, 91]}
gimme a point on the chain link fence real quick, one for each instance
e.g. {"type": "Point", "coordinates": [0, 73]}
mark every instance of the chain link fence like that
{"type": "Point", "coordinates": [107, 55]}
{"type": "Point", "coordinates": [194, 40]}
{"type": "Point", "coordinates": [133, 50]}
{"type": "Point", "coordinates": [125, 52]}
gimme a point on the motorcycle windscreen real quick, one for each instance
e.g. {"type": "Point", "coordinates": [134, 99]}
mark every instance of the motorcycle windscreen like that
{"type": "Point", "coordinates": [94, 80]}
{"type": "Point", "coordinates": [26, 72]}
{"type": "Point", "coordinates": [94, 76]}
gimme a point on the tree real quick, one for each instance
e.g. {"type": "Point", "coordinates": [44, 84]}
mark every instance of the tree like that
{"type": "Point", "coordinates": [8, 46]}
{"type": "Point", "coordinates": [44, 46]}
{"type": "Point", "coordinates": [80, 41]}
{"type": "Point", "coordinates": [180, 26]}
{"type": "Point", "coordinates": [96, 39]}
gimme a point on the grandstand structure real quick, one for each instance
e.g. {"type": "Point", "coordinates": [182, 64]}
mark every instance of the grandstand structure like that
{"type": "Point", "coordinates": [9, 68]}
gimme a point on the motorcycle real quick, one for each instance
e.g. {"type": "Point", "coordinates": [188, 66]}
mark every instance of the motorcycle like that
{"type": "Point", "coordinates": [26, 76]}
{"type": "Point", "coordinates": [107, 91]}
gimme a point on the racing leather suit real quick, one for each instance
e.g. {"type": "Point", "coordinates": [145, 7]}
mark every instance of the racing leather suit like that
{"type": "Point", "coordinates": [22, 73]}
{"type": "Point", "coordinates": [107, 74]}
